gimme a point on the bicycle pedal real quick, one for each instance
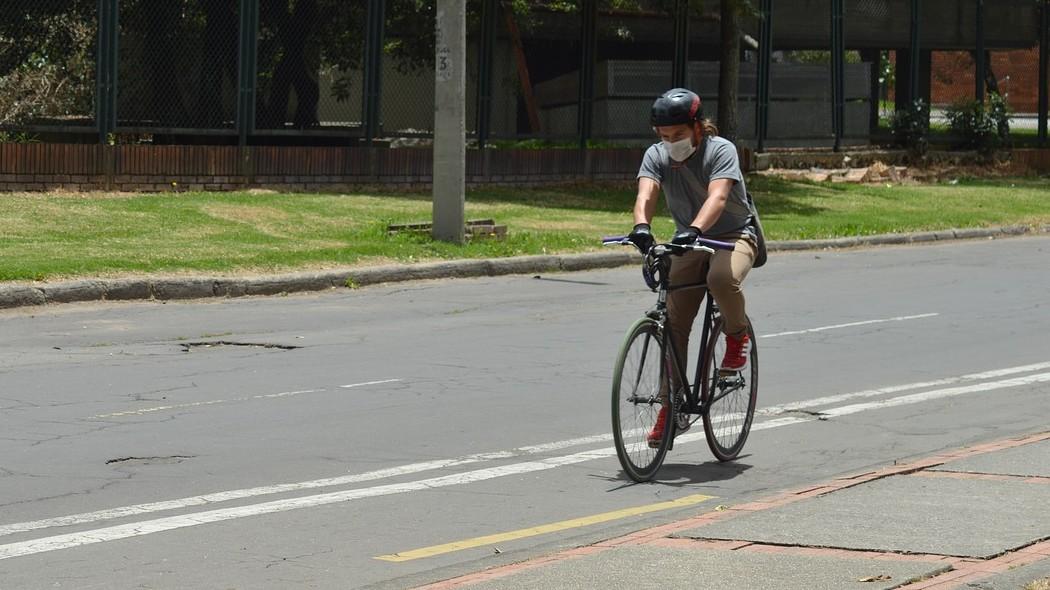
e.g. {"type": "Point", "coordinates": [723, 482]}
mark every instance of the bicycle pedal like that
{"type": "Point", "coordinates": [728, 372]}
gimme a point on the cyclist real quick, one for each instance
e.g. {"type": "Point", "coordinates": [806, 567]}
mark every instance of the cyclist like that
{"type": "Point", "coordinates": [700, 175]}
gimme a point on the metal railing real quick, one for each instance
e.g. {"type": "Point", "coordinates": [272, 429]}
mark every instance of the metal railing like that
{"type": "Point", "coordinates": [570, 73]}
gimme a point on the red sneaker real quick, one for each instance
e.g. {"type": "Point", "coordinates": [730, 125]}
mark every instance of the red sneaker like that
{"type": "Point", "coordinates": [657, 433]}
{"type": "Point", "coordinates": [736, 352]}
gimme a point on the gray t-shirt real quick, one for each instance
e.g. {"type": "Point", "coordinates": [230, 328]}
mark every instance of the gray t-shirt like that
{"type": "Point", "coordinates": [685, 184]}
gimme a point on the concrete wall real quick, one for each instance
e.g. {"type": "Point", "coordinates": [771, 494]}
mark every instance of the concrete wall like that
{"type": "Point", "coordinates": [800, 98]}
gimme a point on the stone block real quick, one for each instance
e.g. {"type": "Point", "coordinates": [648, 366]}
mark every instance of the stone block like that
{"type": "Point", "coordinates": [126, 289]}
{"type": "Point", "coordinates": [183, 288]}
{"type": "Point", "coordinates": [19, 296]}
{"type": "Point", "coordinates": [858, 175]}
{"type": "Point", "coordinates": [73, 291]}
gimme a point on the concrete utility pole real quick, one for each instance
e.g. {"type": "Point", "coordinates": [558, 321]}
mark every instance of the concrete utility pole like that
{"type": "Point", "coordinates": [450, 126]}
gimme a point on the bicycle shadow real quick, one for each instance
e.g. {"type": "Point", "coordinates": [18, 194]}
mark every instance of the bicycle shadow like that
{"type": "Point", "coordinates": [691, 474]}
{"type": "Point", "coordinates": [684, 474]}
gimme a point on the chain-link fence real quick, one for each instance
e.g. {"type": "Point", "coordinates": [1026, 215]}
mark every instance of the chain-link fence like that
{"type": "Point", "coordinates": [310, 66]}
{"type": "Point", "coordinates": [562, 71]}
{"type": "Point", "coordinates": [634, 57]}
{"type": "Point", "coordinates": [536, 72]}
{"type": "Point", "coordinates": [47, 64]}
{"type": "Point", "coordinates": [177, 65]}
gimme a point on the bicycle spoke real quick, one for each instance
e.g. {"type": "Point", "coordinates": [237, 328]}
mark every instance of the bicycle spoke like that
{"type": "Point", "coordinates": [636, 401]}
{"type": "Point", "coordinates": [729, 400]}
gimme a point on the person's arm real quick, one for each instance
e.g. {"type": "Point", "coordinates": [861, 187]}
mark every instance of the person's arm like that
{"type": "Point", "coordinates": [717, 195]}
{"type": "Point", "coordinates": [645, 202]}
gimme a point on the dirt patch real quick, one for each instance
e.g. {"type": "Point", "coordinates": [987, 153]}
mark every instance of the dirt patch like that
{"type": "Point", "coordinates": [883, 173]}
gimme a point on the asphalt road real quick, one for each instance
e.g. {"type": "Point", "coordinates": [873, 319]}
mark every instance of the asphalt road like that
{"type": "Point", "coordinates": [366, 425]}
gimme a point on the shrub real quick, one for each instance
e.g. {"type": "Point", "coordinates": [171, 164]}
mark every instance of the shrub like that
{"type": "Point", "coordinates": [48, 83]}
{"type": "Point", "coordinates": [911, 127]}
{"type": "Point", "coordinates": [981, 126]}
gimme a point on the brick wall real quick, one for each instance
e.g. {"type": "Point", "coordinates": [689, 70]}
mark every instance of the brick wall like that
{"type": "Point", "coordinates": [43, 167]}
{"type": "Point", "coordinates": [953, 77]}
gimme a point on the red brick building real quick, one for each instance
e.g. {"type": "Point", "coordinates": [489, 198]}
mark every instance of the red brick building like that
{"type": "Point", "coordinates": [1017, 73]}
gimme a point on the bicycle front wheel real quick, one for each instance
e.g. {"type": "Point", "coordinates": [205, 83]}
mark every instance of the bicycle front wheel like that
{"type": "Point", "coordinates": [639, 395]}
{"type": "Point", "coordinates": [728, 397]}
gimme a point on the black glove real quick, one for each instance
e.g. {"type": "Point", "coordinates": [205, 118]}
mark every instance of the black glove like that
{"type": "Point", "coordinates": [686, 237]}
{"type": "Point", "coordinates": [642, 237]}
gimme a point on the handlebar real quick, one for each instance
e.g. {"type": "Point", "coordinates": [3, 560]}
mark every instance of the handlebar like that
{"type": "Point", "coordinates": [701, 244]}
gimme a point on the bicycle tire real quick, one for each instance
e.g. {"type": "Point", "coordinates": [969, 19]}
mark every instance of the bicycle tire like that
{"type": "Point", "coordinates": [727, 421]}
{"type": "Point", "coordinates": [641, 368]}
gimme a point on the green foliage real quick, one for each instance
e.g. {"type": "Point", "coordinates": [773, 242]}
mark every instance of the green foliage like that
{"type": "Point", "coordinates": [911, 127]}
{"type": "Point", "coordinates": [981, 126]}
{"type": "Point", "coordinates": [819, 57]}
{"type": "Point", "coordinates": [46, 64]}
{"type": "Point", "coordinates": [12, 137]}
{"type": "Point", "coordinates": [887, 71]}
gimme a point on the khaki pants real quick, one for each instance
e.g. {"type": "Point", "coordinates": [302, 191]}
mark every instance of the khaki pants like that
{"type": "Point", "coordinates": [725, 271]}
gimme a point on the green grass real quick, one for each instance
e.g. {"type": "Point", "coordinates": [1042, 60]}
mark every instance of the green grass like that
{"type": "Point", "coordinates": [49, 236]}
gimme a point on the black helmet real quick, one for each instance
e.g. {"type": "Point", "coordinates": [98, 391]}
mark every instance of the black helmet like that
{"type": "Point", "coordinates": [676, 107]}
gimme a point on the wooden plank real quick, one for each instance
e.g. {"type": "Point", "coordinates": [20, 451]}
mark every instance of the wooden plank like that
{"type": "Point", "coordinates": [523, 69]}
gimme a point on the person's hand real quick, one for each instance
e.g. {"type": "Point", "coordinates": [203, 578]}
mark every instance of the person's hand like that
{"type": "Point", "coordinates": [642, 237]}
{"type": "Point", "coordinates": [687, 237]}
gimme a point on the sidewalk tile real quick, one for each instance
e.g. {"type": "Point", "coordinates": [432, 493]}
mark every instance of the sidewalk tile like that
{"type": "Point", "coordinates": [642, 567]}
{"type": "Point", "coordinates": [943, 516]}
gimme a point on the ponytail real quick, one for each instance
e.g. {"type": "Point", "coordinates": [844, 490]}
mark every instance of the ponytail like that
{"type": "Point", "coordinates": [710, 130]}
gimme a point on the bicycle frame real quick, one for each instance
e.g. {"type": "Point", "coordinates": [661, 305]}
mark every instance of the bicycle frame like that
{"type": "Point", "coordinates": [694, 404]}
{"type": "Point", "coordinates": [659, 313]}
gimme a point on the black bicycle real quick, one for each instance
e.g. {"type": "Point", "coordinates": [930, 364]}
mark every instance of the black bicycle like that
{"type": "Point", "coordinates": [650, 374]}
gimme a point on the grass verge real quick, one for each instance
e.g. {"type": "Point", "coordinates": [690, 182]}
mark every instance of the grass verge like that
{"type": "Point", "coordinates": [49, 236]}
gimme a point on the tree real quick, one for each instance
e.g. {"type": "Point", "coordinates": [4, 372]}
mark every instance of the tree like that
{"type": "Point", "coordinates": [46, 66]}
{"type": "Point", "coordinates": [729, 67]}
{"type": "Point", "coordinates": [731, 13]}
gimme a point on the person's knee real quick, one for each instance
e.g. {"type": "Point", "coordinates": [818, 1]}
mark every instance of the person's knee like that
{"type": "Point", "coordinates": [722, 282]}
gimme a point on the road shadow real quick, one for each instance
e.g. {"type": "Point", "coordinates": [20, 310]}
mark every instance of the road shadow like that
{"type": "Point", "coordinates": [689, 474]}
{"type": "Point", "coordinates": [776, 197]}
{"type": "Point", "coordinates": [684, 474]}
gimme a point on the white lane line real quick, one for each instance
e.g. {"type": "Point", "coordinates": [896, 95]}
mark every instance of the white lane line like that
{"type": "Point", "coordinates": [936, 394]}
{"type": "Point", "coordinates": [834, 399]}
{"type": "Point", "coordinates": [189, 520]}
{"type": "Point", "coordinates": [203, 403]}
{"type": "Point", "coordinates": [852, 324]}
{"type": "Point", "coordinates": [125, 511]}
{"type": "Point", "coordinates": [352, 385]}
{"type": "Point", "coordinates": [169, 523]}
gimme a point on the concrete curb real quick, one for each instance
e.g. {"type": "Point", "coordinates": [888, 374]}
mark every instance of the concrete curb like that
{"type": "Point", "coordinates": [197, 287]}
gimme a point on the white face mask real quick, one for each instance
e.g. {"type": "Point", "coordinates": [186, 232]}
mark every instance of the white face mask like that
{"type": "Point", "coordinates": [680, 150]}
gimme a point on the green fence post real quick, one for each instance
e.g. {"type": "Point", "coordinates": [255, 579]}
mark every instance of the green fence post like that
{"type": "Point", "coordinates": [838, 72]}
{"type": "Point", "coordinates": [106, 69]}
{"type": "Point", "coordinates": [489, 10]}
{"type": "Point", "coordinates": [247, 72]}
{"type": "Point", "coordinates": [588, 49]}
{"type": "Point", "coordinates": [913, 54]}
{"type": "Point", "coordinates": [981, 66]}
{"type": "Point", "coordinates": [373, 67]}
{"type": "Point", "coordinates": [680, 63]}
{"type": "Point", "coordinates": [1044, 64]}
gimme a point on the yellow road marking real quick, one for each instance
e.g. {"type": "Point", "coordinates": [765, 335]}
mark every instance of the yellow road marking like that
{"type": "Point", "coordinates": [543, 529]}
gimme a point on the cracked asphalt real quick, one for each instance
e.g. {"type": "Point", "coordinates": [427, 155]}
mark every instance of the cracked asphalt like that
{"type": "Point", "coordinates": [122, 443]}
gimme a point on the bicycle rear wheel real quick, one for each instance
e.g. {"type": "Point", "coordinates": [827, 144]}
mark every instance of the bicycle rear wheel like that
{"type": "Point", "coordinates": [729, 399]}
{"type": "Point", "coordinates": [639, 393]}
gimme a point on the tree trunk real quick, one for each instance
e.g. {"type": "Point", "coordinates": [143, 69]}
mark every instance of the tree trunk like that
{"type": "Point", "coordinates": [729, 70]}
